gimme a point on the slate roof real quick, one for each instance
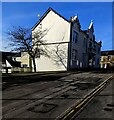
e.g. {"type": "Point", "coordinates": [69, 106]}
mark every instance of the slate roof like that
{"type": "Point", "coordinates": [108, 52]}
{"type": "Point", "coordinates": [8, 56]}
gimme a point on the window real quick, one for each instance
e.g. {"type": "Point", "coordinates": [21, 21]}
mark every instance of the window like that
{"type": "Point", "coordinates": [87, 36]}
{"type": "Point", "coordinates": [14, 59]}
{"type": "Point", "coordinates": [74, 55]}
{"type": "Point", "coordinates": [109, 57]}
{"type": "Point", "coordinates": [80, 64]}
{"type": "Point", "coordinates": [84, 42]}
{"type": "Point", "coordinates": [97, 61]}
{"type": "Point", "coordinates": [90, 44]}
{"type": "Point", "coordinates": [94, 37]}
{"type": "Point", "coordinates": [24, 65]}
{"type": "Point", "coordinates": [75, 37]}
{"type": "Point", "coordinates": [77, 62]}
{"type": "Point", "coordinates": [98, 50]}
{"type": "Point", "coordinates": [83, 56]}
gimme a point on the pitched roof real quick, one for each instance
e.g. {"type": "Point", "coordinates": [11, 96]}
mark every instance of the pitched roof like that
{"type": "Point", "coordinates": [8, 56]}
{"type": "Point", "coordinates": [108, 52]}
{"type": "Point", "coordinates": [14, 63]}
{"type": "Point", "coordinates": [13, 54]}
{"type": "Point", "coordinates": [45, 14]}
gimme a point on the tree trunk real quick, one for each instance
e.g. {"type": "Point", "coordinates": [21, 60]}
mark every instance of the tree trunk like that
{"type": "Point", "coordinates": [34, 64]}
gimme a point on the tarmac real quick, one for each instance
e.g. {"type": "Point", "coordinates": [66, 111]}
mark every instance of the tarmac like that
{"type": "Point", "coordinates": [101, 107]}
{"type": "Point", "coordinates": [47, 96]}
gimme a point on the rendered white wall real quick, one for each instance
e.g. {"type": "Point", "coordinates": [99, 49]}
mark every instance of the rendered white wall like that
{"type": "Point", "coordinates": [59, 31]}
{"type": "Point", "coordinates": [53, 63]}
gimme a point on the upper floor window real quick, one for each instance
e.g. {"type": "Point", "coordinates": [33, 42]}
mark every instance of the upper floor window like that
{"type": "Point", "coordinates": [98, 50]}
{"type": "Point", "coordinates": [87, 36]}
{"type": "Point", "coordinates": [95, 46]}
{"type": "Point", "coordinates": [90, 44]}
{"type": "Point", "coordinates": [75, 37]}
{"type": "Point", "coordinates": [14, 59]}
{"type": "Point", "coordinates": [94, 37]}
{"type": "Point", "coordinates": [84, 42]}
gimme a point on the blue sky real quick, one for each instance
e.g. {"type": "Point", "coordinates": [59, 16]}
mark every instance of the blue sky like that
{"type": "Point", "coordinates": [25, 14]}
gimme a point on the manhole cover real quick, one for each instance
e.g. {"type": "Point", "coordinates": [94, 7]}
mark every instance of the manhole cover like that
{"type": "Point", "coordinates": [42, 108]}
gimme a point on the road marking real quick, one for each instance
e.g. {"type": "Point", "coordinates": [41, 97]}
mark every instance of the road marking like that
{"type": "Point", "coordinates": [69, 113]}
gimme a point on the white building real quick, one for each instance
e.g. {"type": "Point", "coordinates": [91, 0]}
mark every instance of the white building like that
{"type": "Point", "coordinates": [69, 46]}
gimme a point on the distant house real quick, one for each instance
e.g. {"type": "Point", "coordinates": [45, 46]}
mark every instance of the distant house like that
{"type": "Point", "coordinates": [69, 46]}
{"type": "Point", "coordinates": [15, 62]}
{"type": "Point", "coordinates": [10, 60]}
{"type": "Point", "coordinates": [107, 59]}
{"type": "Point", "coordinates": [26, 61]}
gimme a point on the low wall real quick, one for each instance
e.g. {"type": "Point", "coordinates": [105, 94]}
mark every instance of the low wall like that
{"type": "Point", "coordinates": [20, 70]}
{"type": "Point", "coordinates": [16, 70]}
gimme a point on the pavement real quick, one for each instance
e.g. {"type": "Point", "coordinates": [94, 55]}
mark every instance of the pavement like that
{"type": "Point", "coordinates": [47, 99]}
{"type": "Point", "coordinates": [12, 80]}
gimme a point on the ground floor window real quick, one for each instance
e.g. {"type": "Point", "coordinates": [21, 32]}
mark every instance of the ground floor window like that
{"type": "Point", "coordinates": [97, 61]}
{"type": "Point", "coordinates": [74, 55]}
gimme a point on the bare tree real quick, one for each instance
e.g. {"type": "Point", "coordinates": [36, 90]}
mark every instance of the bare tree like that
{"type": "Point", "coordinates": [22, 39]}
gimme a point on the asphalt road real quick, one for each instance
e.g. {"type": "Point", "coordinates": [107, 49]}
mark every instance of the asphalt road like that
{"type": "Point", "coordinates": [47, 98]}
{"type": "Point", "coordinates": [101, 107]}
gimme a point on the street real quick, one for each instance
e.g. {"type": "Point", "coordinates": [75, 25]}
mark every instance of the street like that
{"type": "Point", "coordinates": [101, 106]}
{"type": "Point", "coordinates": [49, 99]}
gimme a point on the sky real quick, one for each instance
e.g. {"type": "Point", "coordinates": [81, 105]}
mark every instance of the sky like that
{"type": "Point", "coordinates": [26, 14]}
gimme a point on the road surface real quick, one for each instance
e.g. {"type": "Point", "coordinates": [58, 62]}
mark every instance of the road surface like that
{"type": "Point", "coordinates": [49, 99]}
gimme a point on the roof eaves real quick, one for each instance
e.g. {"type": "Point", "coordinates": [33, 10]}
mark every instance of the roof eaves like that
{"type": "Point", "coordinates": [84, 31]}
{"type": "Point", "coordinates": [45, 14]}
{"type": "Point", "coordinates": [108, 52]}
